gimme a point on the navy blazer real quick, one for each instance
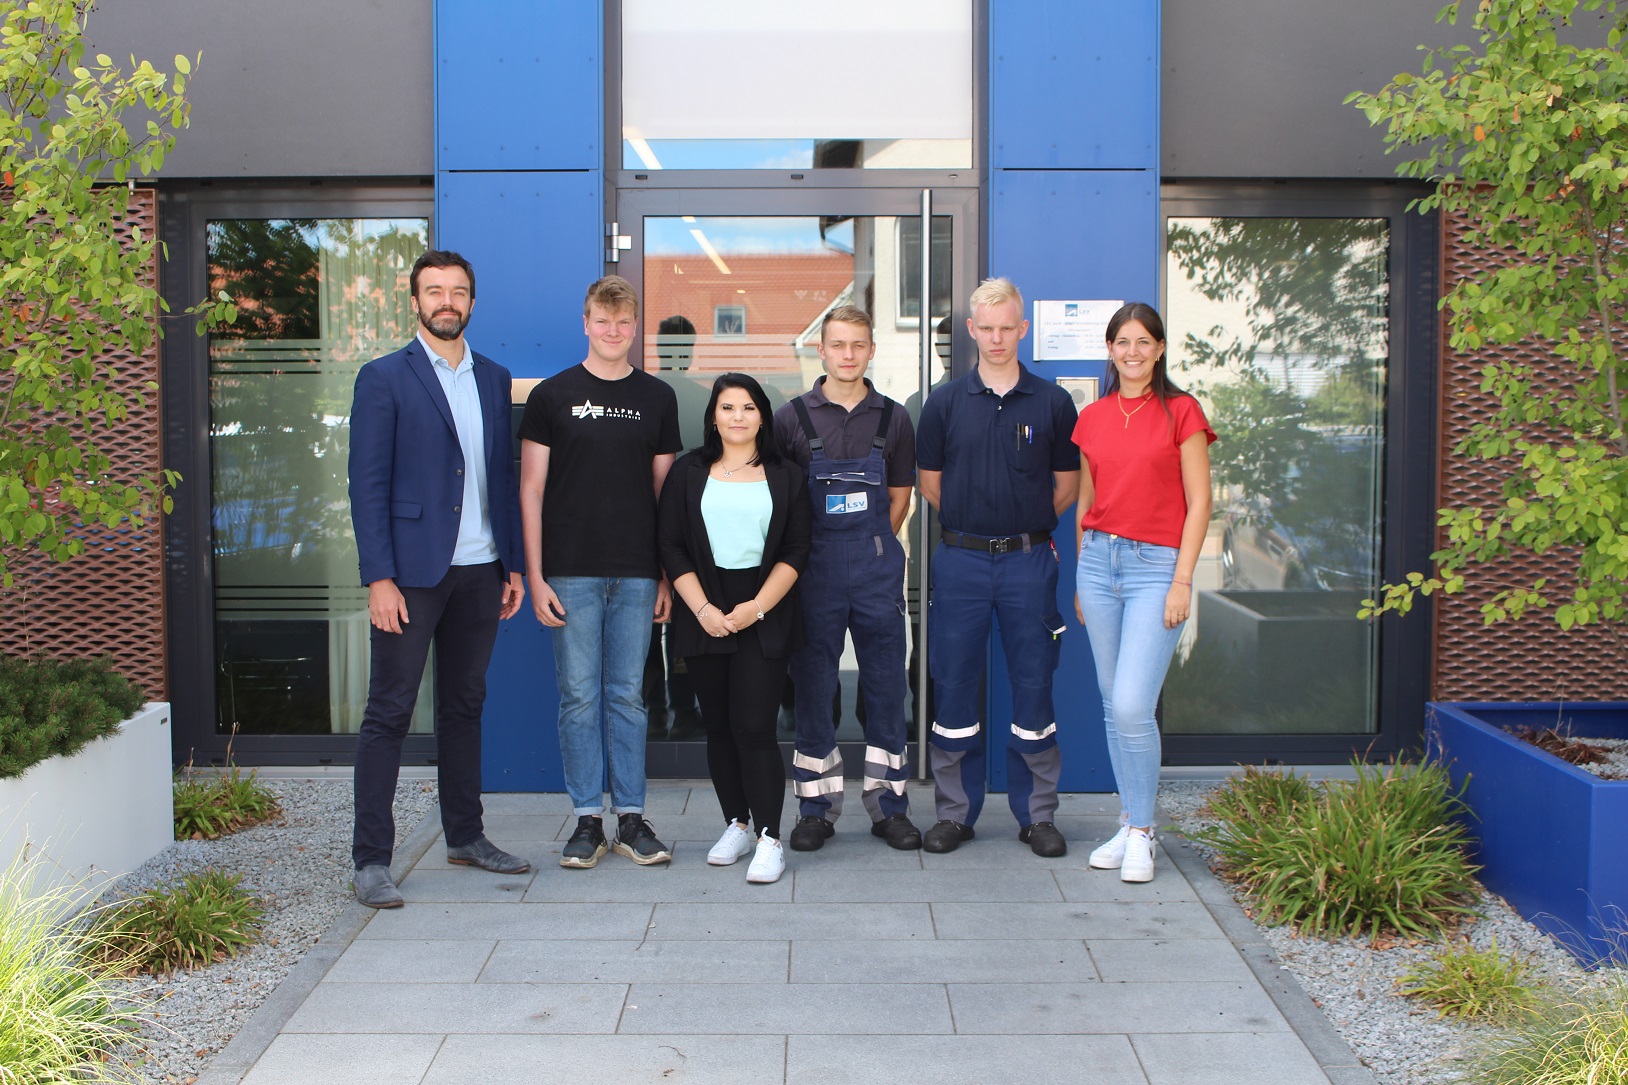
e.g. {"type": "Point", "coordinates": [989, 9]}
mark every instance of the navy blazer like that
{"type": "Point", "coordinates": [406, 469]}
{"type": "Point", "coordinates": [681, 537]}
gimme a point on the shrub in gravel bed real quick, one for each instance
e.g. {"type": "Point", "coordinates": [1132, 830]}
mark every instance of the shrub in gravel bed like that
{"type": "Point", "coordinates": [1377, 854]}
{"type": "Point", "coordinates": [1461, 980]}
{"type": "Point", "coordinates": [1580, 1039]}
{"type": "Point", "coordinates": [60, 1005]}
{"type": "Point", "coordinates": [205, 918]}
{"type": "Point", "coordinates": [204, 809]}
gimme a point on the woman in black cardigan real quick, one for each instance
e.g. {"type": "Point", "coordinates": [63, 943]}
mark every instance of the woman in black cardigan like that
{"type": "Point", "coordinates": [734, 530]}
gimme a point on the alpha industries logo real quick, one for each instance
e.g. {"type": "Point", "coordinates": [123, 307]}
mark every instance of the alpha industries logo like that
{"type": "Point", "coordinates": [590, 409]}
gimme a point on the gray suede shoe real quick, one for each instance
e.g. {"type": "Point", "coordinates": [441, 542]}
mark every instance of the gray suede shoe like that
{"type": "Point", "coordinates": [483, 853]}
{"type": "Point", "coordinates": [375, 889]}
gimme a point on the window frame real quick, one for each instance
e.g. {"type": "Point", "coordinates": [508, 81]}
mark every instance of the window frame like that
{"type": "Point", "coordinates": [1408, 486]}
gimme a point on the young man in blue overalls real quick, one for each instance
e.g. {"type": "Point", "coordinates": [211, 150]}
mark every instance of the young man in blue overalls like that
{"type": "Point", "coordinates": [860, 453]}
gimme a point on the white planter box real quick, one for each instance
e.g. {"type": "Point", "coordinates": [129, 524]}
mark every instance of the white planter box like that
{"type": "Point", "coordinates": [100, 813]}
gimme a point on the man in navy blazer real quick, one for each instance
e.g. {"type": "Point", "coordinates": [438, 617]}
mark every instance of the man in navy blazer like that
{"type": "Point", "coordinates": [436, 510]}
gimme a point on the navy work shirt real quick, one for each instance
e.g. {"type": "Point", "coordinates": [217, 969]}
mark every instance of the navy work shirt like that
{"type": "Point", "coordinates": [997, 453]}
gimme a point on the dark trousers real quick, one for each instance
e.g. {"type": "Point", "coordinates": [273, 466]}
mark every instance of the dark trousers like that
{"type": "Point", "coordinates": [459, 616]}
{"type": "Point", "coordinates": [739, 695]}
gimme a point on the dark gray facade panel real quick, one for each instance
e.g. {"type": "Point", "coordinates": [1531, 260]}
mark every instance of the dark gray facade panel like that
{"type": "Point", "coordinates": [1254, 88]}
{"type": "Point", "coordinates": [295, 88]}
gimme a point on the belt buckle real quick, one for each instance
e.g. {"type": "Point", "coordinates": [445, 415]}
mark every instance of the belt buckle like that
{"type": "Point", "coordinates": [1001, 546]}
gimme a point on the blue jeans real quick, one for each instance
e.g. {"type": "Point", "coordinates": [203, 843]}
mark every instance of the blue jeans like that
{"type": "Point", "coordinates": [599, 664]}
{"type": "Point", "coordinates": [1122, 586]}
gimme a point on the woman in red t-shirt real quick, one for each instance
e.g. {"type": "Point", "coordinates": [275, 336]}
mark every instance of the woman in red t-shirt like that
{"type": "Point", "coordinates": [1146, 496]}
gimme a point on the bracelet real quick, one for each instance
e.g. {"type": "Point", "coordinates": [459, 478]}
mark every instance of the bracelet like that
{"type": "Point", "coordinates": [702, 611]}
{"type": "Point", "coordinates": [759, 606]}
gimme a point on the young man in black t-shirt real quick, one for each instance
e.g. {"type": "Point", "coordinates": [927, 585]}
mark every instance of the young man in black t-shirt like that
{"type": "Point", "coordinates": [595, 445]}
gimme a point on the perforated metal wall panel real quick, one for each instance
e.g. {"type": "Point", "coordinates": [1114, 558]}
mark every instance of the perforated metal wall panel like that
{"type": "Point", "coordinates": [110, 600]}
{"type": "Point", "coordinates": [1533, 659]}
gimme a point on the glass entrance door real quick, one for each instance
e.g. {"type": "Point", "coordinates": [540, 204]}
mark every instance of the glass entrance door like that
{"type": "Point", "coordinates": [731, 289]}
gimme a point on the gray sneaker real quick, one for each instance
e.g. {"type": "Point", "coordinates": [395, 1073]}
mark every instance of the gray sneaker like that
{"type": "Point", "coordinates": [375, 889]}
{"type": "Point", "coordinates": [586, 845]}
{"type": "Point", "coordinates": [636, 840]}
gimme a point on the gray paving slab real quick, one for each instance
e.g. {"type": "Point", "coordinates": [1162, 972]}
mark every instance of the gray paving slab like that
{"type": "Point", "coordinates": [1083, 883]}
{"type": "Point", "coordinates": [517, 920]}
{"type": "Point", "coordinates": [687, 878]}
{"type": "Point", "coordinates": [952, 1060]}
{"type": "Point", "coordinates": [691, 827]}
{"type": "Point", "coordinates": [1004, 853]}
{"type": "Point", "coordinates": [1233, 1006]}
{"type": "Point", "coordinates": [521, 802]}
{"type": "Point", "coordinates": [597, 961]}
{"type": "Point", "coordinates": [1153, 960]}
{"type": "Point", "coordinates": [803, 922]}
{"type": "Point", "coordinates": [854, 848]}
{"type": "Point", "coordinates": [619, 1060]}
{"type": "Point", "coordinates": [1227, 1059]}
{"type": "Point", "coordinates": [869, 960]}
{"type": "Point", "coordinates": [1088, 804]}
{"type": "Point", "coordinates": [501, 828]}
{"type": "Point", "coordinates": [344, 1060]}
{"type": "Point", "coordinates": [786, 1009]}
{"type": "Point", "coordinates": [427, 961]}
{"type": "Point", "coordinates": [463, 1008]}
{"type": "Point", "coordinates": [428, 886]}
{"type": "Point", "coordinates": [817, 886]}
{"type": "Point", "coordinates": [540, 853]}
{"type": "Point", "coordinates": [1078, 919]}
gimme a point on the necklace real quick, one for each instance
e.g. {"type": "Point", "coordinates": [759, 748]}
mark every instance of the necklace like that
{"type": "Point", "coordinates": [728, 472]}
{"type": "Point", "coordinates": [1145, 397]}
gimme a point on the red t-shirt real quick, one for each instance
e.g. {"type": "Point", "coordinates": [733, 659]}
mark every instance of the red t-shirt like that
{"type": "Point", "coordinates": [1135, 465]}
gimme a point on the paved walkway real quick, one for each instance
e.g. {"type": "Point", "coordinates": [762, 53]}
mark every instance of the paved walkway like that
{"type": "Point", "coordinates": [862, 964]}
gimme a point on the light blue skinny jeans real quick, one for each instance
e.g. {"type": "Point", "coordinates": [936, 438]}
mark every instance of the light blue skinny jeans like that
{"type": "Point", "coordinates": [1122, 586]}
{"type": "Point", "coordinates": [599, 665]}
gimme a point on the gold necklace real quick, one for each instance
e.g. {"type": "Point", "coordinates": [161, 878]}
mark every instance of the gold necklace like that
{"type": "Point", "coordinates": [1119, 398]}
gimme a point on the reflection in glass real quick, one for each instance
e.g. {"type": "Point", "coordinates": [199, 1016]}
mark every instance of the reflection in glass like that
{"type": "Point", "coordinates": [1280, 327]}
{"type": "Point", "coordinates": [317, 298]}
{"type": "Point", "coordinates": [781, 275]}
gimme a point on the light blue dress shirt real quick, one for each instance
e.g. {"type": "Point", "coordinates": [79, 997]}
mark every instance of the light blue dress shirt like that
{"type": "Point", "coordinates": [475, 545]}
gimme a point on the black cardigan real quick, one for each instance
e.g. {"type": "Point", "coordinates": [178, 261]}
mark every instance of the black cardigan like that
{"type": "Point", "coordinates": [681, 537]}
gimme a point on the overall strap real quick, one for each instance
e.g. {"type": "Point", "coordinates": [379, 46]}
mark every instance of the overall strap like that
{"type": "Point", "coordinates": [815, 444]}
{"type": "Point", "coordinates": [881, 427]}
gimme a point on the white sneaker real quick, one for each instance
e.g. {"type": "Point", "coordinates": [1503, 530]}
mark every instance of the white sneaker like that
{"type": "Point", "coordinates": [768, 863]}
{"type": "Point", "coordinates": [733, 845]}
{"type": "Point", "coordinates": [1137, 865]}
{"type": "Point", "coordinates": [1109, 855]}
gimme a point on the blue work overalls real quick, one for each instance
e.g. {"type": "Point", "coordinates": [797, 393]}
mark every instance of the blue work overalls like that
{"type": "Point", "coordinates": [854, 581]}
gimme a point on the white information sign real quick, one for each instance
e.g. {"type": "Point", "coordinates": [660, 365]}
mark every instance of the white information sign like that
{"type": "Point", "coordinates": [1072, 330]}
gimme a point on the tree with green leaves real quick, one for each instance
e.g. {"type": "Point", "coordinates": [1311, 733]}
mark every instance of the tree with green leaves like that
{"type": "Point", "coordinates": [1526, 138]}
{"type": "Point", "coordinates": [73, 130]}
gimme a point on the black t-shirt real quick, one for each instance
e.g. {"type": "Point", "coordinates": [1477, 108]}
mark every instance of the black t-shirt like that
{"type": "Point", "coordinates": [599, 505]}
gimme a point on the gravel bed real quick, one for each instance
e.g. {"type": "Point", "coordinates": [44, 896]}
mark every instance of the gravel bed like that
{"type": "Point", "coordinates": [300, 869]}
{"type": "Point", "coordinates": [1615, 765]}
{"type": "Point", "coordinates": [1402, 1040]}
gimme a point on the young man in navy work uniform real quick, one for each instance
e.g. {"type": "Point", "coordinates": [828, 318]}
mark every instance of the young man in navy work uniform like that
{"type": "Point", "coordinates": [859, 450]}
{"type": "Point", "coordinates": [995, 458]}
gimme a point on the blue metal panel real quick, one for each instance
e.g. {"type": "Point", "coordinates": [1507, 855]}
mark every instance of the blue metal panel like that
{"type": "Point", "coordinates": [520, 743]}
{"type": "Point", "coordinates": [518, 85]}
{"type": "Point", "coordinates": [535, 241]}
{"type": "Point", "coordinates": [1074, 84]}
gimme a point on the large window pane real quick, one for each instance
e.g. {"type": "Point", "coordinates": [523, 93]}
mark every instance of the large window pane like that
{"type": "Point", "coordinates": [317, 298]}
{"type": "Point", "coordinates": [724, 84]}
{"type": "Point", "coordinates": [1280, 326]}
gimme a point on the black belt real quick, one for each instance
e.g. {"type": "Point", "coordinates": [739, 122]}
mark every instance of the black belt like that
{"type": "Point", "coordinates": [1003, 545]}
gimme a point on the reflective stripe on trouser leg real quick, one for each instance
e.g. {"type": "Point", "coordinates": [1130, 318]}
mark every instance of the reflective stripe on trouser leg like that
{"type": "Point", "coordinates": [885, 777]}
{"type": "Point", "coordinates": [957, 760]}
{"type": "Point", "coordinates": [817, 783]}
{"type": "Point", "coordinates": [1033, 767]}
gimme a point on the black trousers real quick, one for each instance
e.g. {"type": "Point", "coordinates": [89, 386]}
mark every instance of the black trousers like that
{"type": "Point", "coordinates": [459, 616]}
{"type": "Point", "coordinates": [739, 694]}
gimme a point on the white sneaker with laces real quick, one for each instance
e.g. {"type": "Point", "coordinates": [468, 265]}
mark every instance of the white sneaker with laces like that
{"type": "Point", "coordinates": [736, 843]}
{"type": "Point", "coordinates": [1140, 848]}
{"type": "Point", "coordinates": [768, 862]}
{"type": "Point", "coordinates": [1108, 856]}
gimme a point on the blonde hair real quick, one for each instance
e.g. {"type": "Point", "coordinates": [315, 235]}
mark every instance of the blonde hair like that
{"type": "Point", "coordinates": [996, 292]}
{"type": "Point", "coordinates": [613, 294]}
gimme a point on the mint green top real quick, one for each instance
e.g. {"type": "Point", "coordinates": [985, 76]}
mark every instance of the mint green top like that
{"type": "Point", "coordinates": [737, 518]}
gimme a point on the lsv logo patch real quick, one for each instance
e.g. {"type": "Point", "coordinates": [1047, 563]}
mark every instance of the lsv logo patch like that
{"type": "Point", "coordinates": [842, 504]}
{"type": "Point", "coordinates": [587, 410]}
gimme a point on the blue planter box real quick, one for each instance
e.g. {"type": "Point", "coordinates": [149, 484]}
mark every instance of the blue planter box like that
{"type": "Point", "coordinates": [1552, 839]}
